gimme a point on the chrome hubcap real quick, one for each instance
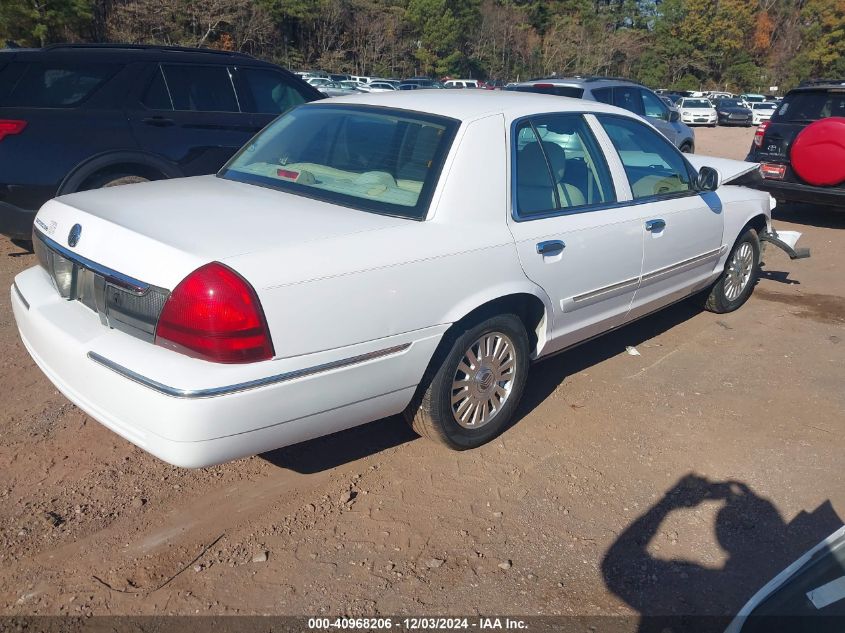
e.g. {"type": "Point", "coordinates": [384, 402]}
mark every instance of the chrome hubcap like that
{"type": "Point", "coordinates": [738, 272]}
{"type": "Point", "coordinates": [483, 380]}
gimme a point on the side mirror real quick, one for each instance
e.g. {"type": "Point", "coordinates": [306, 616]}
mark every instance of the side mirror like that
{"type": "Point", "coordinates": [674, 116]}
{"type": "Point", "coordinates": [708, 179]}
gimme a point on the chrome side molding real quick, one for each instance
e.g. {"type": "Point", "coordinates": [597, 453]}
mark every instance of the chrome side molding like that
{"type": "Point", "coordinates": [211, 392]}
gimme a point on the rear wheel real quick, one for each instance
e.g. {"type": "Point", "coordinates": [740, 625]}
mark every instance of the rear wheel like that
{"type": "Point", "coordinates": [473, 385]}
{"type": "Point", "coordinates": [686, 148]}
{"type": "Point", "coordinates": [737, 281]}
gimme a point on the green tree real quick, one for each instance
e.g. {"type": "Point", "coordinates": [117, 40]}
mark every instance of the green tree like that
{"type": "Point", "coordinates": [41, 22]}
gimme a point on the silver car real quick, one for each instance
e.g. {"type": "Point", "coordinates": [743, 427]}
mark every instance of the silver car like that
{"type": "Point", "coordinates": [621, 93]}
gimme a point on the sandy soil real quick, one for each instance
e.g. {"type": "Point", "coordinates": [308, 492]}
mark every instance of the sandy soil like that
{"type": "Point", "coordinates": [676, 481]}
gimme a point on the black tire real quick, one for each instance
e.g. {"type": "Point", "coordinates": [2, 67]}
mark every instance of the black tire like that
{"type": "Point", "coordinates": [114, 180]}
{"type": "Point", "coordinates": [718, 300]}
{"type": "Point", "coordinates": [430, 413]}
{"type": "Point", "coordinates": [686, 148]}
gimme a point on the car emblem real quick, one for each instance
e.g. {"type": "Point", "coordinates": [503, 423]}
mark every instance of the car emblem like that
{"type": "Point", "coordinates": [74, 235]}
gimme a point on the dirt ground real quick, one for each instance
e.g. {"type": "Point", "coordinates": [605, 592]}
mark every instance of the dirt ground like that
{"type": "Point", "coordinates": [676, 481]}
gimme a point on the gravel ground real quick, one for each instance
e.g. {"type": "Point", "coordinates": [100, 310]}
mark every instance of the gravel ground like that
{"type": "Point", "coordinates": [676, 481]}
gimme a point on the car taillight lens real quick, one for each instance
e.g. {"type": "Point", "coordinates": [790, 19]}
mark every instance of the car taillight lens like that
{"type": "Point", "coordinates": [214, 314]}
{"type": "Point", "coordinates": [11, 126]}
{"type": "Point", "coordinates": [760, 133]}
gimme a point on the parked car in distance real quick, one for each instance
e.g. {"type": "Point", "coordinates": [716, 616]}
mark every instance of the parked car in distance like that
{"type": "Point", "coordinates": [340, 77]}
{"type": "Point", "coordinates": [323, 306]}
{"type": "Point", "coordinates": [461, 83]}
{"type": "Point", "coordinates": [353, 85]}
{"type": "Point", "coordinates": [361, 79]}
{"type": "Point", "coordinates": [801, 148]}
{"type": "Point", "coordinates": [112, 114]}
{"type": "Point", "coordinates": [380, 86]}
{"type": "Point", "coordinates": [762, 111]}
{"type": "Point", "coordinates": [714, 95]}
{"type": "Point", "coordinates": [416, 83]}
{"type": "Point", "coordinates": [751, 97]}
{"type": "Point", "coordinates": [621, 93]}
{"type": "Point", "coordinates": [697, 111]}
{"type": "Point", "coordinates": [330, 88]}
{"type": "Point", "coordinates": [733, 112]}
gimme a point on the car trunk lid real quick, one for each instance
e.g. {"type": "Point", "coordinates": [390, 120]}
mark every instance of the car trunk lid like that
{"type": "Point", "coordinates": [159, 232]}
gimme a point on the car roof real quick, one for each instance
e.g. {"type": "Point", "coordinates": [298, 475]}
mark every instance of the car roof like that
{"type": "Point", "coordinates": [475, 104]}
{"type": "Point", "coordinates": [135, 52]}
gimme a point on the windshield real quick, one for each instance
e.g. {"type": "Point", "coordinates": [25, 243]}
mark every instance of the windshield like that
{"type": "Point", "coordinates": [696, 103]}
{"type": "Point", "coordinates": [762, 106]}
{"type": "Point", "coordinates": [730, 103]}
{"type": "Point", "coordinates": [811, 105]}
{"type": "Point", "coordinates": [370, 158]}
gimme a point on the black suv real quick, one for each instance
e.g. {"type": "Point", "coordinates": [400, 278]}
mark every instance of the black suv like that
{"type": "Point", "coordinates": [801, 149]}
{"type": "Point", "coordinates": [77, 117]}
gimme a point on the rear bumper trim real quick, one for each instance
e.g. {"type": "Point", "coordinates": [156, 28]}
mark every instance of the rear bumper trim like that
{"type": "Point", "coordinates": [212, 392]}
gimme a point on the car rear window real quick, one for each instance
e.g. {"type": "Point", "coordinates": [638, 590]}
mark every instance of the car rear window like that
{"type": "Point", "coordinates": [811, 105]}
{"type": "Point", "coordinates": [551, 89]}
{"type": "Point", "coordinates": [59, 86]}
{"type": "Point", "coordinates": [370, 158]}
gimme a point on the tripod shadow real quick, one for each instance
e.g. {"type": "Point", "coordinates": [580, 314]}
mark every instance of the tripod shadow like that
{"type": "Point", "coordinates": [681, 595]}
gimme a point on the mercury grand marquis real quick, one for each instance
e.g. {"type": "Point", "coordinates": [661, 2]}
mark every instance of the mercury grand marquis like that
{"type": "Point", "coordinates": [371, 255]}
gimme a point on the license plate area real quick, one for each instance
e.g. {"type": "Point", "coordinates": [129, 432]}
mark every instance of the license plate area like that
{"type": "Point", "coordinates": [121, 302]}
{"type": "Point", "coordinates": [772, 171]}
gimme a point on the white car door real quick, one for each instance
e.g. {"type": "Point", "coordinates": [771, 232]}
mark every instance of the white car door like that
{"type": "Point", "coordinates": [682, 228]}
{"type": "Point", "coordinates": [572, 238]}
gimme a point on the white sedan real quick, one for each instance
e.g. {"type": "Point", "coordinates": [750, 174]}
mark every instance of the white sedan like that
{"type": "Point", "coordinates": [761, 112]}
{"type": "Point", "coordinates": [698, 112]}
{"type": "Point", "coordinates": [408, 252]}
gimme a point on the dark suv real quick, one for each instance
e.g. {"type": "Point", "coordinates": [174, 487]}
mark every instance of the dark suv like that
{"type": "Point", "coordinates": [801, 149]}
{"type": "Point", "coordinates": [77, 117]}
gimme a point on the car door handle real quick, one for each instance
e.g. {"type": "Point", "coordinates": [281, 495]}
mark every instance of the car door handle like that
{"type": "Point", "coordinates": [655, 226]}
{"type": "Point", "coordinates": [552, 247]}
{"type": "Point", "coordinates": [159, 121]}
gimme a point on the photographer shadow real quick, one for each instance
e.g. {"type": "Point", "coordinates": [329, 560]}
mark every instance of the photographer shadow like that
{"type": "Point", "coordinates": [673, 595]}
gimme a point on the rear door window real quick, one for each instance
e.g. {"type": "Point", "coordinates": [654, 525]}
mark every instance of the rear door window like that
{"type": "Point", "coordinates": [270, 92]}
{"type": "Point", "coordinates": [201, 88]}
{"type": "Point", "coordinates": [59, 86]}
{"type": "Point", "coordinates": [157, 96]}
{"type": "Point", "coordinates": [803, 107]}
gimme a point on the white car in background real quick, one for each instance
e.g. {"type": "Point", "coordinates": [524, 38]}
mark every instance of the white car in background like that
{"type": "Point", "coordinates": [380, 86]}
{"type": "Point", "coordinates": [761, 112]}
{"type": "Point", "coordinates": [697, 111]}
{"type": "Point", "coordinates": [461, 83]}
{"type": "Point", "coordinates": [409, 252]}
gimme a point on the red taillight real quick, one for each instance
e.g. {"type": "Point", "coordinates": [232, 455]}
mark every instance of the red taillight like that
{"type": "Point", "coordinates": [760, 133]}
{"type": "Point", "coordinates": [11, 126]}
{"type": "Point", "coordinates": [214, 314]}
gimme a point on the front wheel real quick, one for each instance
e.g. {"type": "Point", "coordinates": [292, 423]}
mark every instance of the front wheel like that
{"type": "Point", "coordinates": [473, 386]}
{"type": "Point", "coordinates": [737, 281]}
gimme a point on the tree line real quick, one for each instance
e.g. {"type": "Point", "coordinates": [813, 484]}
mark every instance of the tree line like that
{"type": "Point", "coordinates": [683, 44]}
